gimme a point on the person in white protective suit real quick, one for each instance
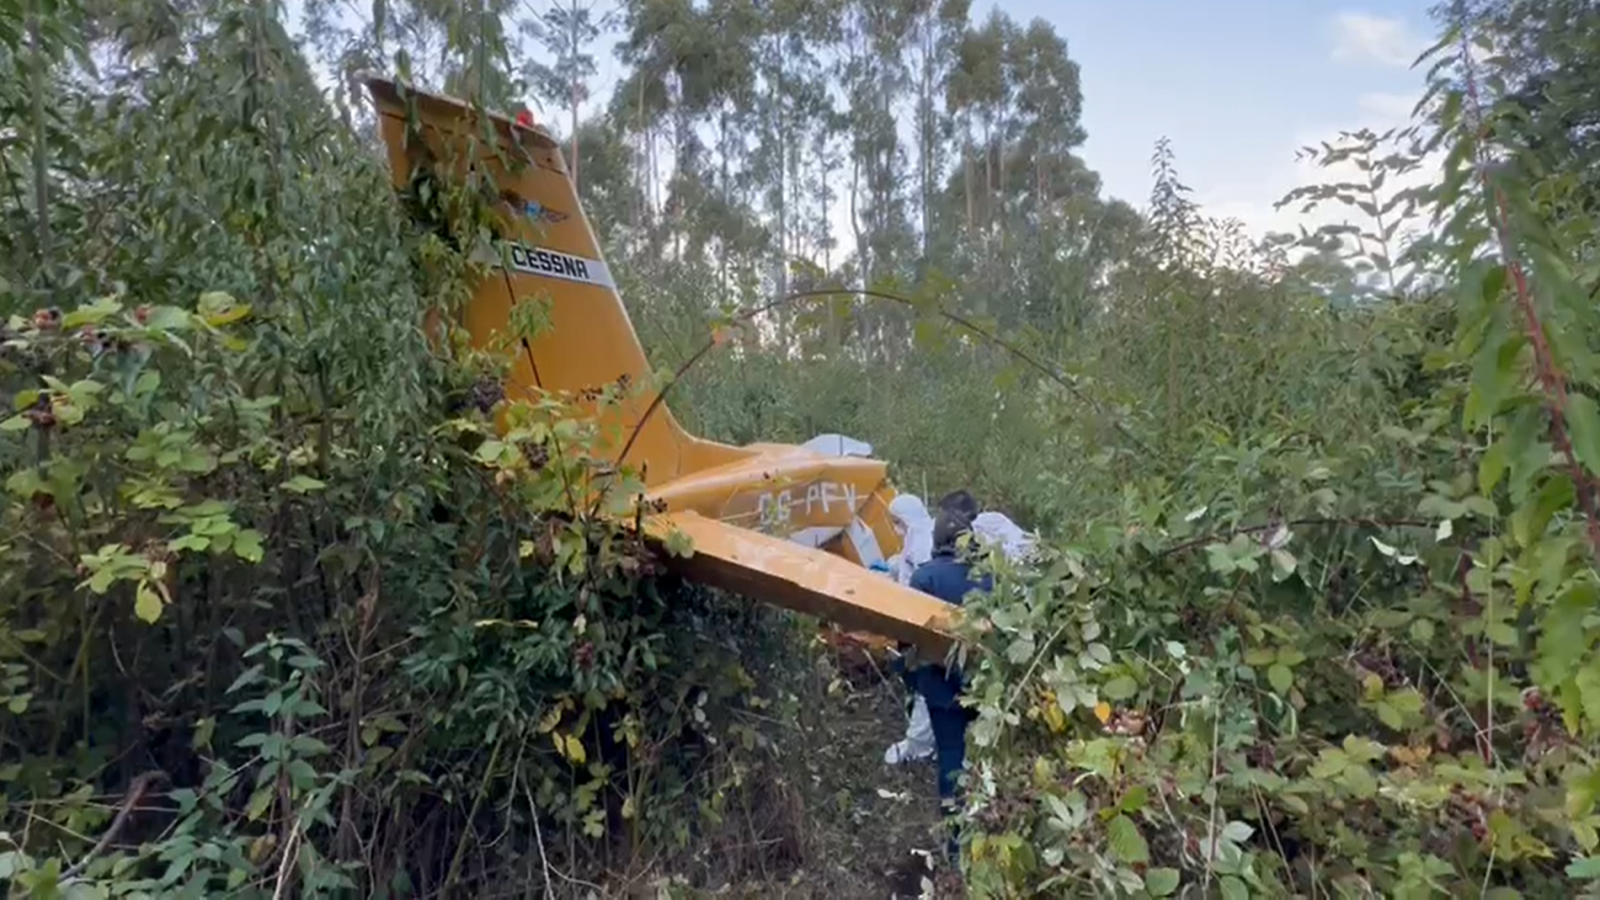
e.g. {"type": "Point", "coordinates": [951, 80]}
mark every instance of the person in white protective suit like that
{"type": "Point", "coordinates": [993, 528]}
{"type": "Point", "coordinates": [915, 526]}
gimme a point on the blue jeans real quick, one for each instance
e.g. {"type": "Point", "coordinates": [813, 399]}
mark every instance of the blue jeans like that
{"type": "Point", "coordinates": [950, 741]}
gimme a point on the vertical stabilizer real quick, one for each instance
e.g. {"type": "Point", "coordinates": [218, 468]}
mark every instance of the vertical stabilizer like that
{"type": "Point", "coordinates": [553, 257]}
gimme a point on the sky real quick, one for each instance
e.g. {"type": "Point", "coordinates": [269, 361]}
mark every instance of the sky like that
{"type": "Point", "coordinates": [1238, 86]}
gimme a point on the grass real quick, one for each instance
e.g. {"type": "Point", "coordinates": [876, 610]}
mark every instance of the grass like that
{"type": "Point", "coordinates": [857, 828]}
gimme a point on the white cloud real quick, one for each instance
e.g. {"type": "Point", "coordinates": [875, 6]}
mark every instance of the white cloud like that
{"type": "Point", "coordinates": [1252, 201]}
{"type": "Point", "coordinates": [1386, 109]}
{"type": "Point", "coordinates": [1365, 38]}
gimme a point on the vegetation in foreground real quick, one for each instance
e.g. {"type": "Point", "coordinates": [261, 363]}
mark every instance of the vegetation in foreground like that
{"type": "Point", "coordinates": [280, 615]}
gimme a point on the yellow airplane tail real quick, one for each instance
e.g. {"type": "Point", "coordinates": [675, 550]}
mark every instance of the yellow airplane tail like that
{"type": "Point", "coordinates": [797, 526]}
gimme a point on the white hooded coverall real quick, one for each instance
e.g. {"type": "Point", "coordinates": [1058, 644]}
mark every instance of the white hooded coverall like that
{"type": "Point", "coordinates": [911, 515]}
{"type": "Point", "coordinates": [991, 528]}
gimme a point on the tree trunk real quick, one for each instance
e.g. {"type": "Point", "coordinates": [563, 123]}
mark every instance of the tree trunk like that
{"type": "Point", "coordinates": [783, 170]}
{"type": "Point", "coordinates": [1042, 199]}
{"type": "Point", "coordinates": [827, 224]}
{"type": "Point", "coordinates": [1001, 193]}
{"type": "Point", "coordinates": [927, 132]}
{"type": "Point", "coordinates": [966, 181]}
{"type": "Point", "coordinates": [642, 166]}
{"type": "Point", "coordinates": [863, 264]}
{"type": "Point", "coordinates": [988, 174]}
{"type": "Point", "coordinates": [680, 139]}
{"type": "Point", "coordinates": [574, 101]}
{"type": "Point", "coordinates": [727, 198]}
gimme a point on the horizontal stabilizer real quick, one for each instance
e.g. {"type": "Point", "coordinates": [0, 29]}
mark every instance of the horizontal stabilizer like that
{"type": "Point", "coordinates": [809, 581]}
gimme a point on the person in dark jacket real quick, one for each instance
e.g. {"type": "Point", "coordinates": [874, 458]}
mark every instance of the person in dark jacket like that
{"type": "Point", "coordinates": [959, 503]}
{"type": "Point", "coordinates": [948, 577]}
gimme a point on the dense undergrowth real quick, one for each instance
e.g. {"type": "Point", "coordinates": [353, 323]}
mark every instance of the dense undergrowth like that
{"type": "Point", "coordinates": [1335, 640]}
{"type": "Point", "coordinates": [275, 616]}
{"type": "Point", "coordinates": [1318, 619]}
{"type": "Point", "coordinates": [280, 613]}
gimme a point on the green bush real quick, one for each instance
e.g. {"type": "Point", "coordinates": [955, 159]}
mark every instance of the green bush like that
{"type": "Point", "coordinates": [1336, 639]}
{"type": "Point", "coordinates": [278, 606]}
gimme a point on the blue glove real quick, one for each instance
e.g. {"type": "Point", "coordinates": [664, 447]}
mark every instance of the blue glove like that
{"type": "Point", "coordinates": [879, 566]}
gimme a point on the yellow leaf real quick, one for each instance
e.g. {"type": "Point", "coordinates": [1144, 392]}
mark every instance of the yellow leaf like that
{"type": "Point", "coordinates": [1372, 685]}
{"type": "Point", "coordinates": [227, 316]}
{"type": "Point", "coordinates": [1102, 711]}
{"type": "Point", "coordinates": [261, 846]}
{"type": "Point", "coordinates": [1410, 756]}
{"type": "Point", "coordinates": [575, 750]}
{"type": "Point", "coordinates": [259, 801]}
{"type": "Point", "coordinates": [146, 602]}
{"type": "Point", "coordinates": [549, 722]}
{"type": "Point", "coordinates": [1054, 717]}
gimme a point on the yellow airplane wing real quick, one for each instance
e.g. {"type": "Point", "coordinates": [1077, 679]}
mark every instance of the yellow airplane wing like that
{"type": "Point", "coordinates": [807, 580]}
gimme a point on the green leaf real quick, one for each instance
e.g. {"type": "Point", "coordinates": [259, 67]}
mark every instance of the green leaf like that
{"type": "Point", "coordinates": [303, 484]}
{"type": "Point", "coordinates": [1260, 656]}
{"type": "Point", "coordinates": [679, 544]}
{"type": "Point", "coordinates": [1280, 677]}
{"type": "Point", "coordinates": [90, 314]}
{"type": "Point", "coordinates": [489, 451]}
{"type": "Point", "coordinates": [27, 482]}
{"type": "Point", "coordinates": [1501, 632]}
{"type": "Point", "coordinates": [1119, 688]}
{"type": "Point", "coordinates": [259, 801]}
{"type": "Point", "coordinates": [1422, 631]}
{"type": "Point", "coordinates": [1161, 882]}
{"type": "Point", "coordinates": [1589, 693]}
{"type": "Point", "coordinates": [189, 542]}
{"type": "Point", "coordinates": [1220, 559]}
{"type": "Point", "coordinates": [1233, 888]}
{"type": "Point", "coordinates": [1134, 800]}
{"type": "Point", "coordinates": [1587, 867]}
{"type": "Point", "coordinates": [1492, 467]}
{"type": "Point", "coordinates": [1583, 419]}
{"type": "Point", "coordinates": [247, 545]}
{"type": "Point", "coordinates": [1494, 277]}
{"type": "Point", "coordinates": [1329, 764]}
{"type": "Point", "coordinates": [1388, 715]}
{"type": "Point", "coordinates": [1492, 378]}
{"type": "Point", "coordinates": [301, 774]}
{"type": "Point", "coordinates": [147, 603]}
{"type": "Point", "coordinates": [168, 318]}
{"type": "Point", "coordinates": [1565, 639]}
{"type": "Point", "coordinates": [1531, 519]}
{"type": "Point", "coordinates": [1125, 841]}
{"type": "Point", "coordinates": [15, 423]}
{"type": "Point", "coordinates": [204, 729]}
{"type": "Point", "coordinates": [1283, 564]}
{"type": "Point", "coordinates": [220, 308]}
